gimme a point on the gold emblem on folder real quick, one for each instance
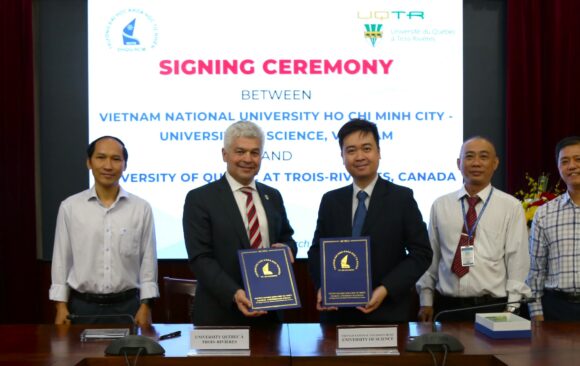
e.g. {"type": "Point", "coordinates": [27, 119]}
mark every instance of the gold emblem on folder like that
{"type": "Point", "coordinates": [345, 261]}
{"type": "Point", "coordinates": [267, 268]}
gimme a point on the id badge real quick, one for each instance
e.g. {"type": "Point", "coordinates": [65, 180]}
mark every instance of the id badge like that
{"type": "Point", "coordinates": [467, 256]}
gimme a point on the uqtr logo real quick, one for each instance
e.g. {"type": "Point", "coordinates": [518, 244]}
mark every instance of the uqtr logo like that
{"type": "Point", "coordinates": [373, 31]}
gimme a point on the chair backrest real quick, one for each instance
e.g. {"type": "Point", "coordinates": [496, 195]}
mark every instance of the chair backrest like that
{"type": "Point", "coordinates": [178, 309]}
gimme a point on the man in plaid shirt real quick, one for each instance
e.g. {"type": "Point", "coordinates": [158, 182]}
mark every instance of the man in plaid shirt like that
{"type": "Point", "coordinates": [555, 244]}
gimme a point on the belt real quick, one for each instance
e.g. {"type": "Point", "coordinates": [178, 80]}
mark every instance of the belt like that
{"type": "Point", "coordinates": [472, 301]}
{"type": "Point", "coordinates": [105, 298]}
{"type": "Point", "coordinates": [573, 297]}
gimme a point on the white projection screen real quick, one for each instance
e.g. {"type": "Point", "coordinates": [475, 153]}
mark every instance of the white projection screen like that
{"type": "Point", "coordinates": [169, 76]}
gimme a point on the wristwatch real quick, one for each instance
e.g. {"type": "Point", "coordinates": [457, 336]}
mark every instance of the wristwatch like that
{"type": "Point", "coordinates": [148, 302]}
{"type": "Point", "coordinates": [512, 309]}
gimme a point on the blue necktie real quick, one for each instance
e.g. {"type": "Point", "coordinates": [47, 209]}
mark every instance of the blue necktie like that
{"type": "Point", "coordinates": [359, 214]}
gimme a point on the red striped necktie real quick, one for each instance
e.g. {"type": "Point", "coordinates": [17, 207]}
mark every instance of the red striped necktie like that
{"type": "Point", "coordinates": [253, 223]}
{"type": "Point", "coordinates": [470, 218]}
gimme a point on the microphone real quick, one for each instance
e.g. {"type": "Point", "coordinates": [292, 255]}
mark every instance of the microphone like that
{"type": "Point", "coordinates": [521, 302]}
{"type": "Point", "coordinates": [132, 330]}
{"type": "Point", "coordinates": [132, 344]}
{"type": "Point", "coordinates": [437, 341]}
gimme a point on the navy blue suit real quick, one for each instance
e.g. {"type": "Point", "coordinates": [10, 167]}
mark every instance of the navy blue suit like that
{"type": "Point", "coordinates": [214, 232]}
{"type": "Point", "coordinates": [395, 226]}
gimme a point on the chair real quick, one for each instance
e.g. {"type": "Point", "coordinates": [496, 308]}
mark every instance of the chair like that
{"type": "Point", "coordinates": [177, 306]}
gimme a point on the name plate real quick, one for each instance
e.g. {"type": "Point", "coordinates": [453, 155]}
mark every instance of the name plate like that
{"type": "Point", "coordinates": [349, 337]}
{"type": "Point", "coordinates": [269, 279]}
{"type": "Point", "coordinates": [220, 338]}
{"type": "Point", "coordinates": [345, 271]}
{"type": "Point", "coordinates": [99, 334]}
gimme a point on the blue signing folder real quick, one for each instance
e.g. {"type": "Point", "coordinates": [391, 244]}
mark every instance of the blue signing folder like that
{"type": "Point", "coordinates": [345, 271]}
{"type": "Point", "coordinates": [269, 279]}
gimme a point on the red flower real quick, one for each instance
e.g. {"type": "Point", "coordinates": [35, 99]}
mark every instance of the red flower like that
{"type": "Point", "coordinates": [544, 197]}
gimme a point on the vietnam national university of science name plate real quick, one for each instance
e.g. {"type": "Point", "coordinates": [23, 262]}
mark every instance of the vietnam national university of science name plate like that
{"type": "Point", "coordinates": [345, 271]}
{"type": "Point", "coordinates": [269, 279]}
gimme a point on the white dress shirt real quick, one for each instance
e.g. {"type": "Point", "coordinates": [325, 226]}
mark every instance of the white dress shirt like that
{"type": "Point", "coordinates": [241, 201]}
{"type": "Point", "coordinates": [104, 250]}
{"type": "Point", "coordinates": [502, 260]}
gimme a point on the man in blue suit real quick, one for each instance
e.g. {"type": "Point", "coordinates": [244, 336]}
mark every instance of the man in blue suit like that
{"type": "Point", "coordinates": [400, 250]}
{"type": "Point", "coordinates": [217, 223]}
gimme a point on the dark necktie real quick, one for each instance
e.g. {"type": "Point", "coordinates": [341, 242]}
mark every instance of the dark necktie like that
{"type": "Point", "coordinates": [253, 223]}
{"type": "Point", "coordinates": [470, 218]}
{"type": "Point", "coordinates": [359, 214]}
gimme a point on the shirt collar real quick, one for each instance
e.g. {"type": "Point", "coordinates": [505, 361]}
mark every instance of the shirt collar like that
{"type": "Point", "coordinates": [235, 185]}
{"type": "Point", "coordinates": [483, 194]}
{"type": "Point", "coordinates": [566, 199]}
{"type": "Point", "coordinates": [368, 189]}
{"type": "Point", "coordinates": [122, 194]}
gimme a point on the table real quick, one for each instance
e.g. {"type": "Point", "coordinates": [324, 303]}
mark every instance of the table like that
{"type": "Point", "coordinates": [551, 344]}
{"type": "Point", "coordinates": [60, 345]}
{"type": "Point", "coordinates": [291, 345]}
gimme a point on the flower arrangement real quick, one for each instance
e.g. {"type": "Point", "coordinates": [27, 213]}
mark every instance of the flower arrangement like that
{"type": "Point", "coordinates": [536, 195]}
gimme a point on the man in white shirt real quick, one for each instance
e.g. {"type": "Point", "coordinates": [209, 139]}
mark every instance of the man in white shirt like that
{"type": "Point", "coordinates": [480, 254]}
{"type": "Point", "coordinates": [104, 259]}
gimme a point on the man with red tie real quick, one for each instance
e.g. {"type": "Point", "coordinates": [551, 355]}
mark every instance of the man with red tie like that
{"type": "Point", "coordinates": [479, 240]}
{"type": "Point", "coordinates": [232, 213]}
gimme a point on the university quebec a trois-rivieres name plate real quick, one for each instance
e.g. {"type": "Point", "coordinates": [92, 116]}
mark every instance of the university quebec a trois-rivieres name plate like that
{"type": "Point", "coordinates": [345, 271]}
{"type": "Point", "coordinates": [269, 279]}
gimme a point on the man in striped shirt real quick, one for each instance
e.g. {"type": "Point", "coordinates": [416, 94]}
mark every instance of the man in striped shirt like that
{"type": "Point", "coordinates": [555, 244]}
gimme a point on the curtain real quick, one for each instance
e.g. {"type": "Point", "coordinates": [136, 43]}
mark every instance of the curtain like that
{"type": "Point", "coordinates": [543, 85]}
{"type": "Point", "coordinates": [18, 282]}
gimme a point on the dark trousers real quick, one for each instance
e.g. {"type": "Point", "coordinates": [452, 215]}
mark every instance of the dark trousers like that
{"type": "Point", "coordinates": [557, 307]}
{"type": "Point", "coordinates": [443, 303]}
{"type": "Point", "coordinates": [91, 312]}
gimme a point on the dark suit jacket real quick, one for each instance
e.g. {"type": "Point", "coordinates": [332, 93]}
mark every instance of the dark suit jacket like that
{"type": "Point", "coordinates": [214, 232]}
{"type": "Point", "coordinates": [395, 226]}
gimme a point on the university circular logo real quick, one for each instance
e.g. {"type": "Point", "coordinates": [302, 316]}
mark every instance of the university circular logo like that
{"type": "Point", "coordinates": [345, 261]}
{"type": "Point", "coordinates": [267, 268]}
{"type": "Point", "coordinates": [131, 30]}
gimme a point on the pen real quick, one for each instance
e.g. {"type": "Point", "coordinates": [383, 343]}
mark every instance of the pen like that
{"type": "Point", "coordinates": [170, 335]}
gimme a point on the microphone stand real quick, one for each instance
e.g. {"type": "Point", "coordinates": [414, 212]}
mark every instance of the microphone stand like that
{"type": "Point", "coordinates": [437, 341]}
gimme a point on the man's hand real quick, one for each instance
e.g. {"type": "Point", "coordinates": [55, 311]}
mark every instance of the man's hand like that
{"type": "Point", "coordinates": [425, 314]}
{"type": "Point", "coordinates": [61, 313]}
{"type": "Point", "coordinates": [538, 318]}
{"type": "Point", "coordinates": [376, 300]}
{"type": "Point", "coordinates": [143, 316]}
{"type": "Point", "coordinates": [319, 306]}
{"type": "Point", "coordinates": [244, 305]}
{"type": "Point", "coordinates": [280, 245]}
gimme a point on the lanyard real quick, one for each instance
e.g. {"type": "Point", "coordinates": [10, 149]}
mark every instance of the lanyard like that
{"type": "Point", "coordinates": [471, 230]}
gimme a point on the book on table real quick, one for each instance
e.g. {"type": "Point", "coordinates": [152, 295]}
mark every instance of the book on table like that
{"type": "Point", "coordinates": [503, 325]}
